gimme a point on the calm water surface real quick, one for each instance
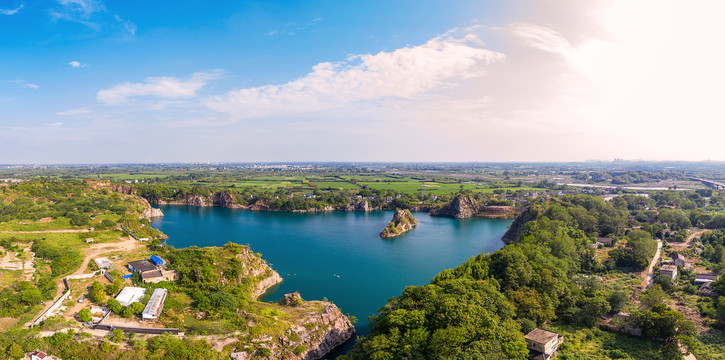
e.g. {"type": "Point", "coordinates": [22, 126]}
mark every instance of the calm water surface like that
{"type": "Point", "coordinates": [337, 255]}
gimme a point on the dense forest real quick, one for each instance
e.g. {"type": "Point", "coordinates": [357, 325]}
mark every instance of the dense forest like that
{"type": "Point", "coordinates": [482, 309]}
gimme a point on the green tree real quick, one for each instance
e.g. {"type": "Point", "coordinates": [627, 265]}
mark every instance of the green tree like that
{"type": "Point", "coordinates": [618, 300]}
{"type": "Point", "coordinates": [117, 335]}
{"type": "Point", "coordinates": [98, 292]}
{"type": "Point", "coordinates": [115, 306]}
{"type": "Point", "coordinates": [84, 315]}
{"type": "Point", "coordinates": [653, 296]}
{"type": "Point", "coordinates": [32, 296]}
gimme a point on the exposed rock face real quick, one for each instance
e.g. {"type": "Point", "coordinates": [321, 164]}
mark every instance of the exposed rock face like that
{"type": "Point", "coordinates": [191, 200]}
{"type": "Point", "coordinates": [152, 212]}
{"type": "Point", "coordinates": [514, 231]}
{"type": "Point", "coordinates": [318, 328]}
{"type": "Point", "coordinates": [225, 199]}
{"type": "Point", "coordinates": [261, 287]}
{"type": "Point", "coordinates": [403, 221]}
{"type": "Point", "coordinates": [460, 208]}
{"type": "Point", "coordinates": [293, 299]}
{"type": "Point", "coordinates": [497, 212]}
{"type": "Point", "coordinates": [361, 206]}
{"type": "Point", "coordinates": [259, 205]}
{"type": "Point", "coordinates": [338, 329]}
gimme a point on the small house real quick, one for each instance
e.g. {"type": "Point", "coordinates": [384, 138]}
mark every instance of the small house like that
{"type": "Point", "coordinates": [706, 290]}
{"type": "Point", "coordinates": [604, 241]}
{"type": "Point", "coordinates": [103, 263]}
{"type": "Point", "coordinates": [38, 355]}
{"type": "Point", "coordinates": [542, 344]}
{"type": "Point", "coordinates": [152, 276]}
{"type": "Point", "coordinates": [89, 240]}
{"type": "Point", "coordinates": [130, 294]}
{"type": "Point", "coordinates": [669, 270]}
{"type": "Point", "coordinates": [156, 260]}
{"type": "Point", "coordinates": [679, 259]}
{"type": "Point", "coordinates": [705, 278]}
{"type": "Point", "coordinates": [141, 266]}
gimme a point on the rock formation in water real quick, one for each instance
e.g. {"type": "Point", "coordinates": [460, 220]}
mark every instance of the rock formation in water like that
{"type": "Point", "coordinates": [461, 207]}
{"type": "Point", "coordinates": [402, 221]}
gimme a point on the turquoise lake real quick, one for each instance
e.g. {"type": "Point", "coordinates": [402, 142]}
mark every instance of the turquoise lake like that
{"type": "Point", "coordinates": [337, 255]}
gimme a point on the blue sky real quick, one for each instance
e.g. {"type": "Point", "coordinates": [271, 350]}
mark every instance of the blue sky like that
{"type": "Point", "coordinates": [87, 81]}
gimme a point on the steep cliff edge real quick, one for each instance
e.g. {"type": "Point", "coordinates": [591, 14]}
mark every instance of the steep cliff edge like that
{"type": "Point", "coordinates": [317, 327]}
{"type": "Point", "coordinates": [402, 221]}
{"type": "Point", "coordinates": [225, 199]}
{"type": "Point", "coordinates": [461, 207]}
{"type": "Point", "coordinates": [514, 231]}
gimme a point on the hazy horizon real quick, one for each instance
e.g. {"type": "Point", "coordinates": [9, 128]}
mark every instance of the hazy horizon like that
{"type": "Point", "coordinates": [96, 82]}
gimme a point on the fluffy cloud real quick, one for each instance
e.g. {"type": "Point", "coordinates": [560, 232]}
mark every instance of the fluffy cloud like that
{"type": "Point", "coordinates": [73, 112]}
{"type": "Point", "coordinates": [165, 87]}
{"type": "Point", "coordinates": [76, 64]}
{"type": "Point", "coordinates": [404, 74]}
{"type": "Point", "coordinates": [11, 11]}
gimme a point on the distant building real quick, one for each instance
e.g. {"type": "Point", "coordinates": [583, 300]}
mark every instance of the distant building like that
{"type": "Point", "coordinates": [669, 270]}
{"type": "Point", "coordinates": [604, 241]}
{"type": "Point", "coordinates": [141, 266]}
{"type": "Point", "coordinates": [155, 305]}
{"type": "Point", "coordinates": [89, 240]}
{"type": "Point", "coordinates": [130, 294]}
{"type": "Point", "coordinates": [706, 290]}
{"type": "Point", "coordinates": [38, 355]}
{"type": "Point", "coordinates": [679, 259]}
{"type": "Point", "coordinates": [156, 260]}
{"type": "Point", "coordinates": [705, 278]}
{"type": "Point", "coordinates": [103, 263]}
{"type": "Point", "coordinates": [542, 344]}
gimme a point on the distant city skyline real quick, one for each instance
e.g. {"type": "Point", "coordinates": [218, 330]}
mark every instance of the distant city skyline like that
{"type": "Point", "coordinates": [92, 81]}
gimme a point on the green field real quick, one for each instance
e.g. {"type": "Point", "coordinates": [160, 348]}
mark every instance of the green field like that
{"type": "Point", "coordinates": [132, 176]}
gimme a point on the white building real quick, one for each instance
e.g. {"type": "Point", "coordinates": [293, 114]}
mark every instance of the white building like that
{"type": "Point", "coordinates": [130, 294]}
{"type": "Point", "coordinates": [155, 305]}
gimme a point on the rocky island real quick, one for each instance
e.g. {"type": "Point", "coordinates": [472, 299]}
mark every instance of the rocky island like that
{"type": "Point", "coordinates": [402, 221]}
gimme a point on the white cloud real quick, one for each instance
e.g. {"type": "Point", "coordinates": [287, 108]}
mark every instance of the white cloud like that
{"type": "Point", "coordinates": [165, 87]}
{"type": "Point", "coordinates": [76, 64]}
{"type": "Point", "coordinates": [79, 8]}
{"type": "Point", "coordinates": [73, 112]}
{"type": "Point", "coordinates": [127, 25]}
{"type": "Point", "coordinates": [11, 11]}
{"type": "Point", "coordinates": [25, 84]}
{"type": "Point", "coordinates": [540, 37]}
{"type": "Point", "coordinates": [404, 73]}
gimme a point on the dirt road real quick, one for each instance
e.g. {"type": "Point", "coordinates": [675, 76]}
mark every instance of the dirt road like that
{"type": "Point", "coordinates": [648, 277]}
{"type": "Point", "coordinates": [127, 244]}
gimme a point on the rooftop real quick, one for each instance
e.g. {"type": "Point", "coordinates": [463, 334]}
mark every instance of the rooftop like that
{"type": "Point", "coordinates": [151, 274]}
{"type": "Point", "coordinates": [541, 336]}
{"type": "Point", "coordinates": [103, 263]}
{"type": "Point", "coordinates": [141, 265]}
{"type": "Point", "coordinates": [130, 294]}
{"type": "Point", "coordinates": [669, 267]}
{"type": "Point", "coordinates": [156, 303]}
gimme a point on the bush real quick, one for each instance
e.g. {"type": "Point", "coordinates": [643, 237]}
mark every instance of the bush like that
{"type": "Point", "coordinates": [84, 315]}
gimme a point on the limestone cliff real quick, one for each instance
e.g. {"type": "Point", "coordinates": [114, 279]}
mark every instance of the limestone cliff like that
{"type": "Point", "coordinates": [191, 200]}
{"type": "Point", "coordinates": [263, 285]}
{"type": "Point", "coordinates": [461, 207]}
{"type": "Point", "coordinates": [225, 199]}
{"type": "Point", "coordinates": [317, 328]}
{"type": "Point", "coordinates": [514, 231]}
{"type": "Point", "coordinates": [497, 212]}
{"type": "Point", "coordinates": [402, 221]}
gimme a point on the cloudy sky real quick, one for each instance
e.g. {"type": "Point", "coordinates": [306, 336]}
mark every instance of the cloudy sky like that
{"type": "Point", "coordinates": [93, 81]}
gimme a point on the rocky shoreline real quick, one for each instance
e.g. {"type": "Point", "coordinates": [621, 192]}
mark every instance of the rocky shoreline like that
{"type": "Point", "coordinates": [402, 222]}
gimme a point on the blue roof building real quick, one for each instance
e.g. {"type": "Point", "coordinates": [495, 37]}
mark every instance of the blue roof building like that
{"type": "Point", "coordinates": [157, 260]}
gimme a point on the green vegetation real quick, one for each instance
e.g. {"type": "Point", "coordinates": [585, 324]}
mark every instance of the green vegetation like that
{"type": "Point", "coordinates": [546, 275]}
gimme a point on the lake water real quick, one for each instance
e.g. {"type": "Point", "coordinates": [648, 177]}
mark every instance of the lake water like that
{"type": "Point", "coordinates": [337, 255]}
